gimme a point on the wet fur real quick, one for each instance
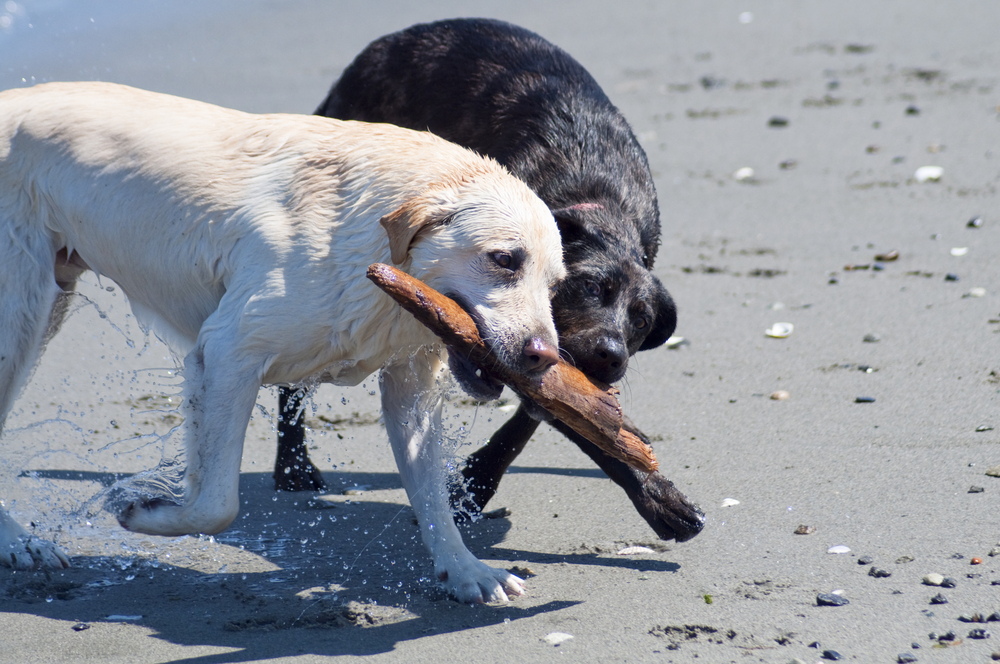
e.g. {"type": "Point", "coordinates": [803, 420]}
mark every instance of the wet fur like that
{"type": "Point", "coordinates": [243, 241]}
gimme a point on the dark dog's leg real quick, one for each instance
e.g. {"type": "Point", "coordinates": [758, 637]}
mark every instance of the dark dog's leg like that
{"type": "Point", "coordinates": [486, 466]}
{"type": "Point", "coordinates": [293, 470]}
{"type": "Point", "coordinates": [668, 511]}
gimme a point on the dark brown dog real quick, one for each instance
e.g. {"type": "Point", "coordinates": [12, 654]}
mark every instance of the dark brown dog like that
{"type": "Point", "coordinates": [509, 94]}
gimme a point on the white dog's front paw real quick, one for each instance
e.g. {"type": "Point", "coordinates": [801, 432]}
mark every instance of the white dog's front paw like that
{"type": "Point", "coordinates": [474, 582]}
{"type": "Point", "coordinates": [158, 516]}
{"type": "Point", "coordinates": [20, 550]}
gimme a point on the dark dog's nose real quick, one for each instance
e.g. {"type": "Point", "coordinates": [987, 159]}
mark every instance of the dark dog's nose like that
{"type": "Point", "coordinates": [610, 359]}
{"type": "Point", "coordinates": [539, 355]}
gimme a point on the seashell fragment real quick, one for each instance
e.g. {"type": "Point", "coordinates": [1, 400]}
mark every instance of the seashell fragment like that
{"type": "Point", "coordinates": [780, 330]}
{"type": "Point", "coordinates": [634, 550]}
{"type": "Point", "coordinates": [729, 502]}
{"type": "Point", "coordinates": [976, 292]}
{"type": "Point", "coordinates": [805, 530]}
{"type": "Point", "coordinates": [959, 251]}
{"type": "Point", "coordinates": [780, 395]}
{"type": "Point", "coordinates": [676, 342]}
{"type": "Point", "coordinates": [840, 548]}
{"type": "Point", "coordinates": [928, 174]}
{"type": "Point", "coordinates": [743, 174]}
{"type": "Point", "coordinates": [888, 256]}
{"type": "Point", "coordinates": [555, 638]}
{"type": "Point", "coordinates": [994, 471]}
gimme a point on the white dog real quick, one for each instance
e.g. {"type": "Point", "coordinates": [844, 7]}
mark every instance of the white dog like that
{"type": "Point", "coordinates": [243, 241]}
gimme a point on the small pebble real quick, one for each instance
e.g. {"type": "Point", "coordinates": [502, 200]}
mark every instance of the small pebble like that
{"type": "Point", "coordinates": [959, 251]}
{"type": "Point", "coordinates": [993, 617]}
{"type": "Point", "coordinates": [743, 174]}
{"type": "Point", "coordinates": [939, 599]}
{"type": "Point", "coordinates": [829, 599]}
{"type": "Point", "coordinates": [840, 548]}
{"type": "Point", "coordinates": [933, 579]}
{"type": "Point", "coordinates": [995, 657]}
{"type": "Point", "coordinates": [780, 395]}
{"type": "Point", "coordinates": [974, 618]}
{"type": "Point", "coordinates": [79, 627]}
{"type": "Point", "coordinates": [948, 582]}
{"type": "Point", "coordinates": [976, 292]}
{"type": "Point", "coordinates": [887, 257]}
{"type": "Point", "coordinates": [864, 400]}
{"type": "Point", "coordinates": [948, 636]}
{"type": "Point", "coordinates": [905, 658]}
{"type": "Point", "coordinates": [928, 174]}
{"type": "Point", "coordinates": [832, 655]}
{"type": "Point", "coordinates": [933, 636]}
{"type": "Point", "coordinates": [912, 110]}
{"type": "Point", "coordinates": [994, 472]}
{"type": "Point", "coordinates": [777, 122]}
{"type": "Point", "coordinates": [805, 530]}
{"type": "Point", "coordinates": [871, 338]}
{"type": "Point", "coordinates": [865, 560]}
{"type": "Point", "coordinates": [984, 428]}
{"type": "Point", "coordinates": [976, 561]}
{"type": "Point", "coordinates": [975, 222]}
{"type": "Point", "coordinates": [951, 276]}
{"type": "Point", "coordinates": [879, 573]}
{"type": "Point", "coordinates": [915, 645]}
{"type": "Point", "coordinates": [976, 489]}
{"type": "Point", "coordinates": [788, 164]}
{"type": "Point", "coordinates": [904, 559]}
{"type": "Point", "coordinates": [499, 513]}
{"type": "Point", "coordinates": [979, 633]}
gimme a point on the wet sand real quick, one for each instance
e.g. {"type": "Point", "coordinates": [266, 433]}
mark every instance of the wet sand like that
{"type": "Point", "coordinates": [870, 94]}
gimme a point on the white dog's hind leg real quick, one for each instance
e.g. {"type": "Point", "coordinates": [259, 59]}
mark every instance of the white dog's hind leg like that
{"type": "Point", "coordinates": [411, 405]}
{"type": "Point", "coordinates": [27, 296]}
{"type": "Point", "coordinates": [220, 387]}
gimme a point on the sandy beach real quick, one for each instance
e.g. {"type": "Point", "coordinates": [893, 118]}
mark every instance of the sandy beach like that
{"type": "Point", "coordinates": [882, 446]}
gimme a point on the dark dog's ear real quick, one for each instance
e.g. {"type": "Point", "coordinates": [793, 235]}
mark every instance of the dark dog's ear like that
{"type": "Point", "coordinates": [665, 317]}
{"type": "Point", "coordinates": [572, 222]}
{"type": "Point", "coordinates": [406, 223]}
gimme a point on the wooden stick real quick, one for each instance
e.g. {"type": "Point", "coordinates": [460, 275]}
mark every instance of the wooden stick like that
{"type": "Point", "coordinates": [591, 409]}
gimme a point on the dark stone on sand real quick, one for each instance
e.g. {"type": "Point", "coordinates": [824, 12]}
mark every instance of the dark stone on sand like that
{"type": "Point", "coordinates": [979, 633]}
{"type": "Point", "coordinates": [879, 573]}
{"type": "Point", "coordinates": [865, 560]}
{"type": "Point", "coordinates": [905, 658]}
{"type": "Point", "coordinates": [832, 655]}
{"type": "Point", "coordinates": [939, 599]}
{"type": "Point", "coordinates": [829, 599]}
{"type": "Point", "coordinates": [951, 276]}
{"type": "Point", "coordinates": [949, 582]}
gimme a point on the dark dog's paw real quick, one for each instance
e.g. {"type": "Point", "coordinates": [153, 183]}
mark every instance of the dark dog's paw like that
{"type": "Point", "coordinates": [476, 381]}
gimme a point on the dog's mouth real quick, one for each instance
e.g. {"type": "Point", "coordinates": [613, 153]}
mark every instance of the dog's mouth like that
{"type": "Point", "coordinates": [475, 380]}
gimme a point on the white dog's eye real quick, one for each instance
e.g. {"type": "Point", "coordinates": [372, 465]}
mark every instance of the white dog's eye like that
{"type": "Point", "coordinates": [503, 259]}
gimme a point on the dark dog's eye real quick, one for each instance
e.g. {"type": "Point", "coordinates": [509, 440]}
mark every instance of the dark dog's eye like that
{"type": "Point", "coordinates": [640, 322]}
{"type": "Point", "coordinates": [592, 287]}
{"type": "Point", "coordinates": [503, 259]}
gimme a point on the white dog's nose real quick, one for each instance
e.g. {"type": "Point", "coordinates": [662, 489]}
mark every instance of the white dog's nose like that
{"type": "Point", "coordinates": [539, 355]}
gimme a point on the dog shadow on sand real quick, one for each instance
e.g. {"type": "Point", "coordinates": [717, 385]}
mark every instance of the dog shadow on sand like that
{"type": "Point", "coordinates": [295, 574]}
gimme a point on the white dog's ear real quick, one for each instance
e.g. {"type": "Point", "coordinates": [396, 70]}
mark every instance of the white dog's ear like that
{"type": "Point", "coordinates": [405, 224]}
